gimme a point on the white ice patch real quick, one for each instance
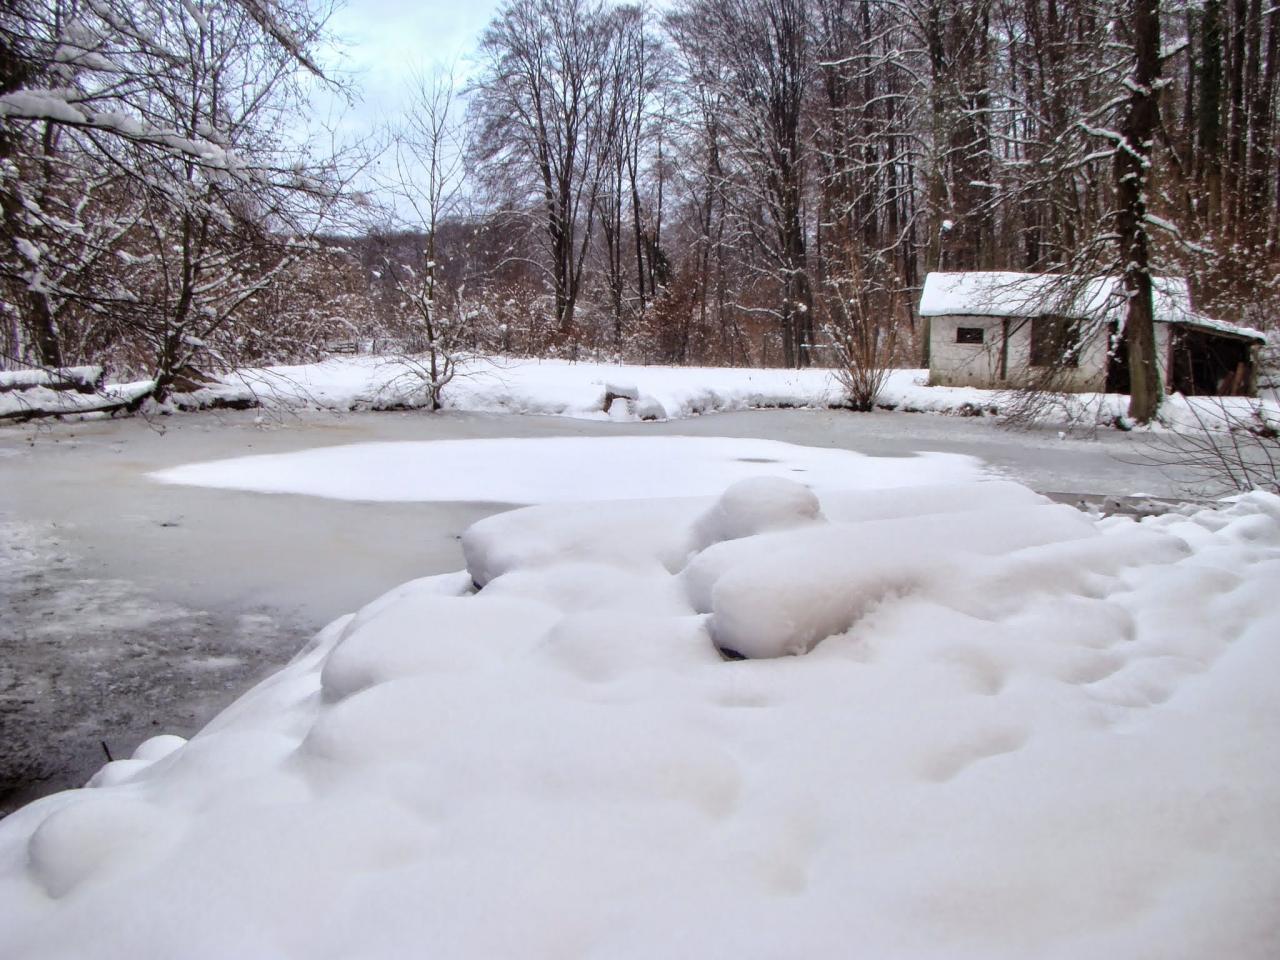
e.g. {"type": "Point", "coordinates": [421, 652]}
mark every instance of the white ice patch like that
{"type": "Point", "coordinates": [561, 469]}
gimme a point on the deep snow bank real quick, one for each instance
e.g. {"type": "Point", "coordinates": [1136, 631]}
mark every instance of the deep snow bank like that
{"type": "Point", "coordinates": [1017, 732]}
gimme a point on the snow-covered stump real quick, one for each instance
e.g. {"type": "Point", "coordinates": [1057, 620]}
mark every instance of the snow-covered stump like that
{"type": "Point", "coordinates": [625, 402]}
{"type": "Point", "coordinates": [614, 392]}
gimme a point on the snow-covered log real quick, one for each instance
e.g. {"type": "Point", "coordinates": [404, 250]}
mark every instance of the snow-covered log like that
{"type": "Point", "coordinates": [43, 401]}
{"type": "Point", "coordinates": [86, 379]}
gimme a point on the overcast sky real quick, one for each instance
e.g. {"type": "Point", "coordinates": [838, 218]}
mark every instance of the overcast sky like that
{"type": "Point", "coordinates": [379, 45]}
{"type": "Point", "coordinates": [384, 41]}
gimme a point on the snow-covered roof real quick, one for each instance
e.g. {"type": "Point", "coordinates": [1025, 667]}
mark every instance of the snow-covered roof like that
{"type": "Point", "coordinates": [1010, 294]}
{"type": "Point", "coordinates": [1210, 325]}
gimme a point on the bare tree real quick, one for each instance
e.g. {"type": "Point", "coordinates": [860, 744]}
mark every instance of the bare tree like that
{"type": "Point", "coordinates": [757, 54]}
{"type": "Point", "coordinates": [864, 316]}
{"type": "Point", "coordinates": [698, 144]}
{"type": "Point", "coordinates": [702, 193]}
{"type": "Point", "coordinates": [630, 226]}
{"type": "Point", "coordinates": [428, 160]}
{"type": "Point", "coordinates": [175, 111]}
{"type": "Point", "coordinates": [214, 236]}
{"type": "Point", "coordinates": [1231, 446]}
{"type": "Point", "coordinates": [542, 127]}
{"type": "Point", "coordinates": [957, 37]}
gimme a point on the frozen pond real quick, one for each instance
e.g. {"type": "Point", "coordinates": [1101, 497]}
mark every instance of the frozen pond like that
{"type": "Point", "coordinates": [133, 607]}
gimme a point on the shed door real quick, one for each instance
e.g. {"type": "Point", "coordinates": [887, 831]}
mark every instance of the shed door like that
{"type": "Point", "coordinates": [1208, 365]}
{"type": "Point", "coordinates": [1117, 362]}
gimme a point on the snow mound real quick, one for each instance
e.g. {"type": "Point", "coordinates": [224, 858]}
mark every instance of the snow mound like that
{"type": "Point", "coordinates": [81, 840]}
{"type": "Point", "coordinates": [780, 594]}
{"type": "Point", "coordinates": [1011, 731]}
{"type": "Point", "coordinates": [756, 505]}
{"type": "Point", "coordinates": [624, 533]}
{"type": "Point", "coordinates": [450, 635]}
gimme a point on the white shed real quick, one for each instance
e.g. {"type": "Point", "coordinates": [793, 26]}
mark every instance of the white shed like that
{"type": "Point", "coordinates": [997, 329]}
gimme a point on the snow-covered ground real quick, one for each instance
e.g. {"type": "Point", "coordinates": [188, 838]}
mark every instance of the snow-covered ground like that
{"type": "Point", "coordinates": [973, 723]}
{"type": "Point", "coordinates": [600, 391]}
{"type": "Point", "coordinates": [563, 388]}
{"type": "Point", "coordinates": [549, 387]}
{"type": "Point", "coordinates": [1043, 735]}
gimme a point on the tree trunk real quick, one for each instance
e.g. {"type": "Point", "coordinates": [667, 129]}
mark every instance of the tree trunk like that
{"type": "Point", "coordinates": [1237, 132]}
{"type": "Point", "coordinates": [44, 329]}
{"type": "Point", "coordinates": [1209, 119]}
{"type": "Point", "coordinates": [1256, 152]}
{"type": "Point", "coordinates": [1262, 141]}
{"type": "Point", "coordinates": [1133, 176]}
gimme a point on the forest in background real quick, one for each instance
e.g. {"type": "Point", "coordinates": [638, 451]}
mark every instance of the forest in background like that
{"type": "Point", "coordinates": [760, 182]}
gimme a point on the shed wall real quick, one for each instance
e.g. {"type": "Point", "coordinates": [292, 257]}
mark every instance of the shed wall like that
{"type": "Point", "coordinates": [954, 364]}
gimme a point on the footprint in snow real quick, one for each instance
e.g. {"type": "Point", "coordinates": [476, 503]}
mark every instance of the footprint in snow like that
{"type": "Point", "coordinates": [947, 764]}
